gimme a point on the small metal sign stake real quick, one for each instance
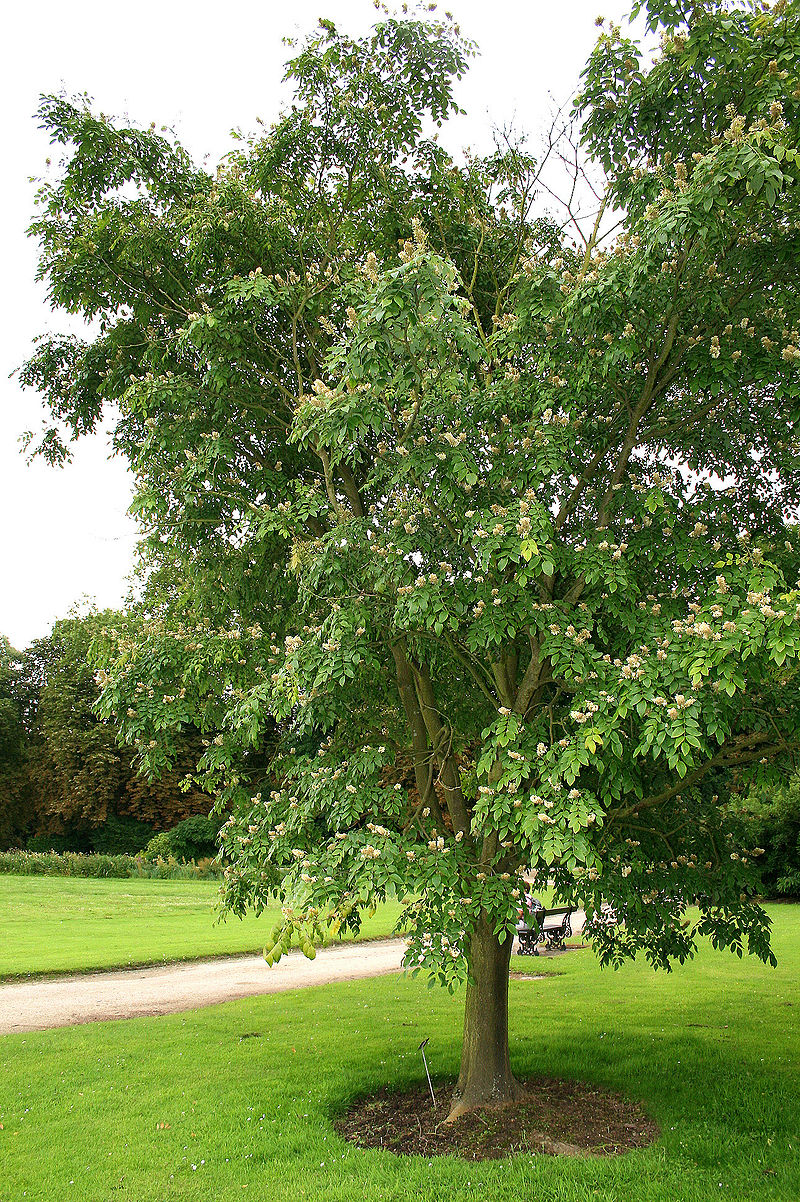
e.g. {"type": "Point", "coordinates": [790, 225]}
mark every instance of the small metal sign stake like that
{"type": "Point", "coordinates": [427, 1074]}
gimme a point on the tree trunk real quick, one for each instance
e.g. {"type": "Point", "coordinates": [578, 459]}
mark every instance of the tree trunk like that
{"type": "Point", "coordinates": [485, 1078]}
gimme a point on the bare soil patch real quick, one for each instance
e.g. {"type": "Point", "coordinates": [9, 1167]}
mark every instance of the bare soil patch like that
{"type": "Point", "coordinates": [567, 1118]}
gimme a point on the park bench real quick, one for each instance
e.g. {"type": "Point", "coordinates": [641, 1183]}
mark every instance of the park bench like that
{"type": "Point", "coordinates": [544, 926]}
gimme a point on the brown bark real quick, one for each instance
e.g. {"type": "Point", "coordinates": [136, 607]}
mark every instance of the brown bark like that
{"type": "Point", "coordinates": [441, 740]}
{"type": "Point", "coordinates": [351, 489]}
{"type": "Point", "coordinates": [423, 775]}
{"type": "Point", "coordinates": [485, 1078]}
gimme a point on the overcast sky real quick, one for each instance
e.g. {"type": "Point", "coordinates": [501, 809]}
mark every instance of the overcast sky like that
{"type": "Point", "coordinates": [65, 533]}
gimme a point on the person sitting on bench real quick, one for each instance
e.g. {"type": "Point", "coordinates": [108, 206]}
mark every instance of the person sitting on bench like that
{"type": "Point", "coordinates": [529, 924]}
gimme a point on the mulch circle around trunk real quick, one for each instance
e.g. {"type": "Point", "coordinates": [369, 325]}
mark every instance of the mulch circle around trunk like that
{"type": "Point", "coordinates": [566, 1118]}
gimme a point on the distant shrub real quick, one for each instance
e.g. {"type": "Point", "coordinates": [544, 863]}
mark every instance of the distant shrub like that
{"type": "Point", "coordinates": [120, 834]}
{"type": "Point", "coordinates": [67, 863]}
{"type": "Point", "coordinates": [29, 863]}
{"type": "Point", "coordinates": [771, 819]}
{"type": "Point", "coordinates": [159, 848]}
{"type": "Point", "coordinates": [194, 838]}
{"type": "Point", "coordinates": [60, 843]}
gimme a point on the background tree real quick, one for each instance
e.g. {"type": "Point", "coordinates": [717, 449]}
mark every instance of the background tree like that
{"type": "Point", "coordinates": [80, 788]}
{"type": "Point", "coordinates": [770, 818]}
{"type": "Point", "coordinates": [15, 808]}
{"type": "Point", "coordinates": [509, 507]}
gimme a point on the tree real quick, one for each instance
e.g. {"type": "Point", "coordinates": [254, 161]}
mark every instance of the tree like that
{"type": "Point", "coordinates": [771, 818]}
{"type": "Point", "coordinates": [81, 784]}
{"type": "Point", "coordinates": [14, 797]}
{"type": "Point", "coordinates": [505, 515]}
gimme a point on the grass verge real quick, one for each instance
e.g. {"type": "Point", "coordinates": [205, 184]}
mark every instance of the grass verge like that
{"type": "Point", "coordinates": [237, 1101]}
{"type": "Point", "coordinates": [51, 925]}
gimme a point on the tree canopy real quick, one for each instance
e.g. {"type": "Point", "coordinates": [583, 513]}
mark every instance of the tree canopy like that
{"type": "Point", "coordinates": [484, 517]}
{"type": "Point", "coordinates": [14, 798]}
{"type": "Point", "coordinates": [64, 778]}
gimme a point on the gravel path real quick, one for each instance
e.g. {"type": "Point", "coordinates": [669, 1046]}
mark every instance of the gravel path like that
{"type": "Point", "coordinates": [133, 993]}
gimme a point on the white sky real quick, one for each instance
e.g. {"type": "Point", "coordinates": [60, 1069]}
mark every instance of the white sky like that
{"type": "Point", "coordinates": [65, 533]}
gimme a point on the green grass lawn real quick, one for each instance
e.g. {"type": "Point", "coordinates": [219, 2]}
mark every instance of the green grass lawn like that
{"type": "Point", "coordinates": [74, 924]}
{"type": "Point", "coordinates": [248, 1090]}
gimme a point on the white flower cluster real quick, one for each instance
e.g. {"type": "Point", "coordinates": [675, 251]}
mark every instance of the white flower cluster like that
{"type": "Point", "coordinates": [584, 715]}
{"type": "Point", "coordinates": [374, 829]}
{"type": "Point", "coordinates": [681, 703]}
